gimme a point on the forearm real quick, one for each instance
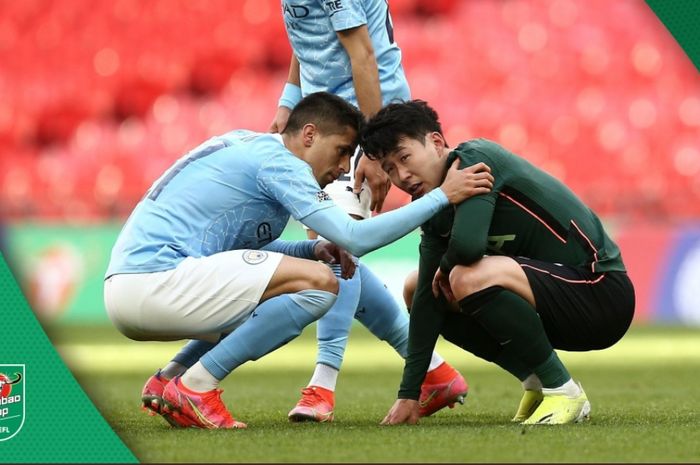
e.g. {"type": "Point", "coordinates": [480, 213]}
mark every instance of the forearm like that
{"type": "Point", "coordinates": [365, 77]}
{"type": "Point", "coordinates": [427, 316]}
{"type": "Point", "coordinates": [361, 237]}
{"type": "Point", "coordinates": [291, 94]}
{"type": "Point", "coordinates": [365, 71]}
{"type": "Point", "coordinates": [424, 329]}
{"type": "Point", "coordinates": [300, 249]}
{"type": "Point", "coordinates": [293, 76]}
{"type": "Point", "coordinates": [470, 230]}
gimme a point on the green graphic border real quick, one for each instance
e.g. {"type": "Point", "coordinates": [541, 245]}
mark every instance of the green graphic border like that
{"type": "Point", "coordinates": [60, 422]}
{"type": "Point", "coordinates": [681, 19]}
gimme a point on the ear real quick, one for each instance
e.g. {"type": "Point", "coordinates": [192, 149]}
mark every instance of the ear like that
{"type": "Point", "coordinates": [308, 133]}
{"type": "Point", "coordinates": [438, 140]}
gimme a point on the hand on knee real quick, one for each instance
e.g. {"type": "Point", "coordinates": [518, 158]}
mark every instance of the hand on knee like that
{"type": "Point", "coordinates": [323, 279]}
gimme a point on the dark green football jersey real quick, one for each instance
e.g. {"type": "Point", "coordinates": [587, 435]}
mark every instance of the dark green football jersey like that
{"type": "Point", "coordinates": [532, 215]}
{"type": "Point", "coordinates": [528, 213]}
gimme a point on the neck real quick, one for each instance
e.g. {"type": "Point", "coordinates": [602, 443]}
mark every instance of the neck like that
{"type": "Point", "coordinates": [444, 154]}
{"type": "Point", "coordinates": [294, 144]}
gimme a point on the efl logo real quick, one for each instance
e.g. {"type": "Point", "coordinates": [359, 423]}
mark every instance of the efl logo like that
{"type": "Point", "coordinates": [11, 400]}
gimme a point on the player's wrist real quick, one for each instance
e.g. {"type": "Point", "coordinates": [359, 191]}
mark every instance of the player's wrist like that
{"type": "Point", "coordinates": [291, 95]}
{"type": "Point", "coordinates": [439, 195]}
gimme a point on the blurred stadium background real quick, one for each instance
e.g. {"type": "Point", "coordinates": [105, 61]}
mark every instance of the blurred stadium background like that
{"type": "Point", "coordinates": [98, 97]}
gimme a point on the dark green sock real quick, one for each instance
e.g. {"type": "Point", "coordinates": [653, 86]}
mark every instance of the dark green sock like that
{"type": "Point", "coordinates": [466, 332]}
{"type": "Point", "coordinates": [515, 324]}
{"type": "Point", "coordinates": [552, 372]}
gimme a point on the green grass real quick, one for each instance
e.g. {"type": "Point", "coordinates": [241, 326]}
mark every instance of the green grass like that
{"type": "Point", "coordinates": [644, 394]}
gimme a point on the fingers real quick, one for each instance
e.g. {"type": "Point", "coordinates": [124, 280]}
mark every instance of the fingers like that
{"type": "Point", "coordinates": [379, 193]}
{"type": "Point", "coordinates": [375, 199]}
{"type": "Point", "coordinates": [391, 418]}
{"type": "Point", "coordinates": [447, 291]}
{"type": "Point", "coordinates": [482, 180]}
{"type": "Point", "coordinates": [347, 265]}
{"type": "Point", "coordinates": [359, 179]}
{"type": "Point", "coordinates": [436, 287]}
{"type": "Point", "coordinates": [324, 251]}
{"type": "Point", "coordinates": [325, 256]}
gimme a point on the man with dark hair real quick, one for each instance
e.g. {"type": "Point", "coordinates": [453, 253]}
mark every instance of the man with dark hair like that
{"type": "Point", "coordinates": [348, 48]}
{"type": "Point", "coordinates": [552, 277]}
{"type": "Point", "coordinates": [199, 257]}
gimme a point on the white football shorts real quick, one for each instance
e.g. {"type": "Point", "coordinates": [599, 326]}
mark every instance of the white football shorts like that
{"type": "Point", "coordinates": [199, 299]}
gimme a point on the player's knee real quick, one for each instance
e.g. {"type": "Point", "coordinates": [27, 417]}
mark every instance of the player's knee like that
{"type": "Point", "coordinates": [466, 280]}
{"type": "Point", "coordinates": [409, 288]}
{"type": "Point", "coordinates": [322, 278]}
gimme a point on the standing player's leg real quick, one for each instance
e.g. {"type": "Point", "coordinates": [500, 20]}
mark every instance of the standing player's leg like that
{"type": "Point", "coordinates": [379, 312]}
{"type": "Point", "coordinates": [318, 400]}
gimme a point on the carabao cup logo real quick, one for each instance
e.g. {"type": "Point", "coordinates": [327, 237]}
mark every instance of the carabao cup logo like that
{"type": "Point", "coordinates": [11, 400]}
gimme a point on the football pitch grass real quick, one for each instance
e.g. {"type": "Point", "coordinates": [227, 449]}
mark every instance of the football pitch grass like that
{"type": "Point", "coordinates": [644, 395]}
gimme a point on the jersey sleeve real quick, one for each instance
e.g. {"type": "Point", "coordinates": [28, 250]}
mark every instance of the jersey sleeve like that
{"type": "Point", "coordinates": [345, 14]}
{"type": "Point", "coordinates": [472, 220]}
{"type": "Point", "coordinates": [290, 182]}
{"type": "Point", "coordinates": [470, 230]}
{"type": "Point", "coordinates": [426, 319]}
{"type": "Point", "coordinates": [361, 237]}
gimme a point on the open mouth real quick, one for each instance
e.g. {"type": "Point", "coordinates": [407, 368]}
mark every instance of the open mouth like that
{"type": "Point", "coordinates": [416, 189]}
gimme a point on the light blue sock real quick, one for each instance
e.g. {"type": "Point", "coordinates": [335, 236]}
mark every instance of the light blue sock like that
{"type": "Point", "coordinates": [333, 328]}
{"type": "Point", "coordinates": [192, 351]}
{"type": "Point", "coordinates": [272, 324]}
{"type": "Point", "coordinates": [381, 313]}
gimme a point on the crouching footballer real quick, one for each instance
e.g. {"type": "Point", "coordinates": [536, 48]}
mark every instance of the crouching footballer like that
{"type": "Point", "coordinates": [509, 275]}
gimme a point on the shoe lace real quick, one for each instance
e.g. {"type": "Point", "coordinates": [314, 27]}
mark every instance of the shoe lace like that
{"type": "Point", "coordinates": [215, 406]}
{"type": "Point", "coordinates": [309, 397]}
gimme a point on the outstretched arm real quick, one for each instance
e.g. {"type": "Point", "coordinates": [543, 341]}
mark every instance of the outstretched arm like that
{"type": "Point", "coordinates": [427, 316]}
{"type": "Point", "coordinates": [361, 237]}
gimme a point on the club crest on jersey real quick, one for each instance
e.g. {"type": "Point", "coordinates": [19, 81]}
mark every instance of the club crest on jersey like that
{"type": "Point", "coordinates": [321, 196]}
{"type": "Point", "coordinates": [254, 257]}
{"type": "Point", "coordinates": [11, 400]}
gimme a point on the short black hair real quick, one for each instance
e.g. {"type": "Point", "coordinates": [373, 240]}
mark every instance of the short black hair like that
{"type": "Point", "coordinates": [330, 113]}
{"type": "Point", "coordinates": [413, 119]}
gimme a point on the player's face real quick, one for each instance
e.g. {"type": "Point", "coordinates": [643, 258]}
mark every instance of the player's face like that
{"type": "Point", "coordinates": [416, 167]}
{"type": "Point", "coordinates": [329, 155]}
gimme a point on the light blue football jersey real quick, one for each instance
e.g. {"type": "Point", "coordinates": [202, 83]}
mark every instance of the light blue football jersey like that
{"type": "Point", "coordinates": [324, 65]}
{"type": "Point", "coordinates": [234, 191]}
